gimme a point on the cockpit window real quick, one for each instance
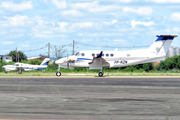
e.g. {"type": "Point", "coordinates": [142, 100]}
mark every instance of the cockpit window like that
{"type": "Point", "coordinates": [82, 54]}
{"type": "Point", "coordinates": [17, 64]}
{"type": "Point", "coordinates": [77, 54]}
{"type": "Point", "coordinates": [13, 64]}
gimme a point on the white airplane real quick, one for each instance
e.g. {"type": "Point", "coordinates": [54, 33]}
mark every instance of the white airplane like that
{"type": "Point", "coordinates": [26, 67]}
{"type": "Point", "coordinates": [114, 59]}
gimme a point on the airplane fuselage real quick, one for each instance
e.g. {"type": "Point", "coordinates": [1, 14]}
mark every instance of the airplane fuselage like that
{"type": "Point", "coordinates": [114, 58]}
{"type": "Point", "coordinates": [26, 67]}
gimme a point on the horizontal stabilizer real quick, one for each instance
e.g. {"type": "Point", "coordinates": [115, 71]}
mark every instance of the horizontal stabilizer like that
{"type": "Point", "coordinates": [165, 37]}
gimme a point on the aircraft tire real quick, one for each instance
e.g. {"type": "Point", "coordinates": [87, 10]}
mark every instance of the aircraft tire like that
{"type": "Point", "coordinates": [20, 70]}
{"type": "Point", "coordinates": [58, 74]}
{"type": "Point", "coordinates": [5, 72]}
{"type": "Point", "coordinates": [100, 74]}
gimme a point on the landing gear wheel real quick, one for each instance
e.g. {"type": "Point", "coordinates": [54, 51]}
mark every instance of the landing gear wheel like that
{"type": "Point", "coordinates": [58, 74]}
{"type": "Point", "coordinates": [5, 72]}
{"type": "Point", "coordinates": [100, 74]}
{"type": "Point", "coordinates": [20, 70]}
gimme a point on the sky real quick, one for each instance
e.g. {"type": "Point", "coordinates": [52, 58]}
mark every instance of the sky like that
{"type": "Point", "coordinates": [29, 25]}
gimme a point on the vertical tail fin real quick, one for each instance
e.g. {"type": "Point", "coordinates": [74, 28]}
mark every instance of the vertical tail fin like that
{"type": "Point", "coordinates": [162, 44]}
{"type": "Point", "coordinates": [45, 61]}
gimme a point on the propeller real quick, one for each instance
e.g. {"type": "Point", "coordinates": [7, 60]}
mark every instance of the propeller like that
{"type": "Point", "coordinates": [68, 61]}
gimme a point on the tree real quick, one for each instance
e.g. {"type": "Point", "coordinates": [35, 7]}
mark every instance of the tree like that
{"type": "Point", "coordinates": [58, 51]}
{"type": "Point", "coordinates": [22, 56]}
{"type": "Point", "coordinates": [43, 56]}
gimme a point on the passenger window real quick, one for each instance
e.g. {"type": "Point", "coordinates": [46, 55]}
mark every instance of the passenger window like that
{"type": "Point", "coordinates": [107, 55]}
{"type": "Point", "coordinates": [102, 54]}
{"type": "Point", "coordinates": [93, 54]}
{"type": "Point", "coordinates": [82, 54]}
{"type": "Point", "coordinates": [112, 55]}
{"type": "Point", "coordinates": [128, 55]}
{"type": "Point", "coordinates": [97, 54]}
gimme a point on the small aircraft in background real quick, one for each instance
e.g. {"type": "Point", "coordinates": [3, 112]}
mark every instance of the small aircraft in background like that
{"type": "Point", "coordinates": [114, 59]}
{"type": "Point", "coordinates": [26, 67]}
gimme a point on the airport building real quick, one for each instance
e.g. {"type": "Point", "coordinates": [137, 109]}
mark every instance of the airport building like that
{"type": "Point", "coordinates": [6, 58]}
{"type": "Point", "coordinates": [173, 51]}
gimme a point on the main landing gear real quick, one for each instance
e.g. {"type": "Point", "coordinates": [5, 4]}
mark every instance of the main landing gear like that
{"type": "Point", "coordinates": [58, 73]}
{"type": "Point", "coordinates": [20, 70]}
{"type": "Point", "coordinates": [101, 73]}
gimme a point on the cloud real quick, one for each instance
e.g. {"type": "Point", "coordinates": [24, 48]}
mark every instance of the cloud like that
{"type": "Point", "coordinates": [8, 42]}
{"type": "Point", "coordinates": [25, 45]}
{"type": "Point", "coordinates": [82, 25]}
{"type": "Point", "coordinates": [59, 4]}
{"type": "Point", "coordinates": [134, 23]}
{"type": "Point", "coordinates": [164, 1]}
{"type": "Point", "coordinates": [176, 29]}
{"type": "Point", "coordinates": [17, 20]}
{"type": "Point", "coordinates": [93, 6]}
{"type": "Point", "coordinates": [72, 12]}
{"type": "Point", "coordinates": [175, 16]}
{"type": "Point", "coordinates": [24, 21]}
{"type": "Point", "coordinates": [85, 5]}
{"type": "Point", "coordinates": [111, 22]}
{"type": "Point", "coordinates": [121, 41]}
{"type": "Point", "coordinates": [10, 6]}
{"type": "Point", "coordinates": [47, 36]}
{"type": "Point", "coordinates": [173, 30]}
{"type": "Point", "coordinates": [141, 11]}
{"type": "Point", "coordinates": [62, 25]}
{"type": "Point", "coordinates": [167, 30]}
{"type": "Point", "coordinates": [125, 1]}
{"type": "Point", "coordinates": [103, 8]}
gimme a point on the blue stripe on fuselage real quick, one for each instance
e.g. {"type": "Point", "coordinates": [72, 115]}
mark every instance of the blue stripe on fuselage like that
{"type": "Point", "coordinates": [34, 68]}
{"type": "Point", "coordinates": [41, 68]}
{"type": "Point", "coordinates": [82, 59]}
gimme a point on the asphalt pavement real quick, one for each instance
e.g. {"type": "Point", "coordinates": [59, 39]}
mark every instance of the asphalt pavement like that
{"type": "Point", "coordinates": [92, 98]}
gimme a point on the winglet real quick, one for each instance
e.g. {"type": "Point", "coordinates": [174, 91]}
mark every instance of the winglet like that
{"type": "Point", "coordinates": [100, 55]}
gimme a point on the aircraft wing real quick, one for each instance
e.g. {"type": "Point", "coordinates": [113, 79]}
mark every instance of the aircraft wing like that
{"type": "Point", "coordinates": [99, 61]}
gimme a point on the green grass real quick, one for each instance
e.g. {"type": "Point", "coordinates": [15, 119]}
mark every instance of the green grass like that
{"type": "Point", "coordinates": [43, 73]}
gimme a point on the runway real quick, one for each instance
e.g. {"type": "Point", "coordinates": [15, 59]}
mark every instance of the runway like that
{"type": "Point", "coordinates": [90, 98]}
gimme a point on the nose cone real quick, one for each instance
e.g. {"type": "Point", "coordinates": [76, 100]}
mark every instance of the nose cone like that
{"type": "Point", "coordinates": [65, 59]}
{"type": "Point", "coordinates": [59, 61]}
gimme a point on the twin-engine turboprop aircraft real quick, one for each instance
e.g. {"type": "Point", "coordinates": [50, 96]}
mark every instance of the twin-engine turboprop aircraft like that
{"type": "Point", "coordinates": [114, 59]}
{"type": "Point", "coordinates": [26, 67]}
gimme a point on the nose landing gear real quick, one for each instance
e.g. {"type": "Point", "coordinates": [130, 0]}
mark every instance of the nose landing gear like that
{"type": "Point", "coordinates": [58, 73]}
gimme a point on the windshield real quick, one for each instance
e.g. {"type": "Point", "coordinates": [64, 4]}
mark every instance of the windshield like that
{"type": "Point", "coordinates": [77, 54]}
